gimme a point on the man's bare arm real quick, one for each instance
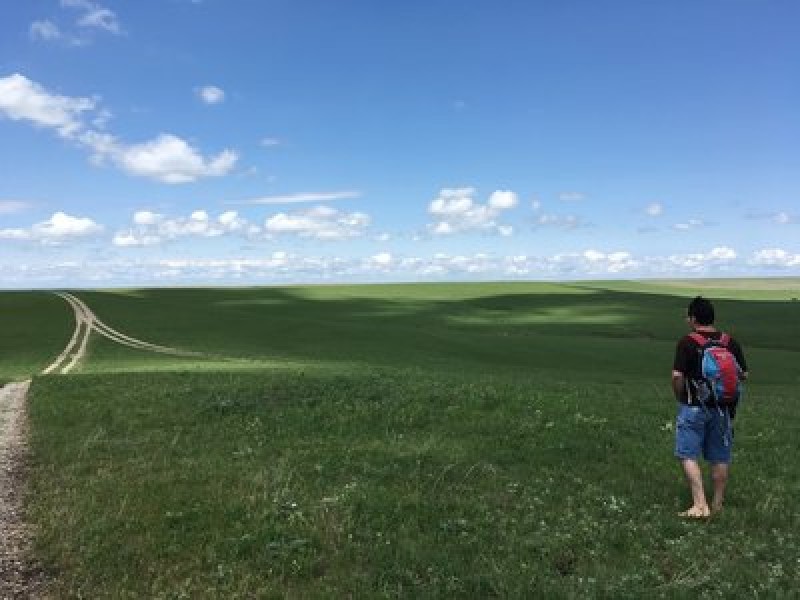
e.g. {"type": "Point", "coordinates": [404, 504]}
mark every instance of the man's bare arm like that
{"type": "Point", "coordinates": [678, 385]}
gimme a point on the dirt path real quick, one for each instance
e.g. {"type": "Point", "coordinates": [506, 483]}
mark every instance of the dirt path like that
{"type": "Point", "coordinates": [19, 577]}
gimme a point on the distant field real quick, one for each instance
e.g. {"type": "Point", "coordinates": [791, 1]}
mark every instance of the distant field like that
{"type": "Point", "coordinates": [459, 440]}
{"type": "Point", "coordinates": [765, 288]}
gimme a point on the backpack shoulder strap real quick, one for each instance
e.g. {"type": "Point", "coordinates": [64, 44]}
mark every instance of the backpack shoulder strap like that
{"type": "Point", "coordinates": [698, 339]}
{"type": "Point", "coordinates": [725, 339]}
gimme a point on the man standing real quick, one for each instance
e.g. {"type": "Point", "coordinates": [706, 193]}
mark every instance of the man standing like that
{"type": "Point", "coordinates": [704, 423]}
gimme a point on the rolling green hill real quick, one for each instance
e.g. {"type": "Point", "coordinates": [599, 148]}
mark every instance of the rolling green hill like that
{"type": "Point", "coordinates": [459, 440]}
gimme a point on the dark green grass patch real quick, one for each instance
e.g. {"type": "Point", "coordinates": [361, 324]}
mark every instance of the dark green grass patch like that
{"type": "Point", "coordinates": [396, 484]}
{"type": "Point", "coordinates": [34, 328]}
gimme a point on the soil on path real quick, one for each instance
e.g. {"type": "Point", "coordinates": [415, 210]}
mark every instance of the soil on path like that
{"type": "Point", "coordinates": [19, 575]}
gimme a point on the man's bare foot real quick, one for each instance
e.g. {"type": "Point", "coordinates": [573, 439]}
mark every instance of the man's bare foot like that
{"type": "Point", "coordinates": [716, 507]}
{"type": "Point", "coordinates": [696, 512]}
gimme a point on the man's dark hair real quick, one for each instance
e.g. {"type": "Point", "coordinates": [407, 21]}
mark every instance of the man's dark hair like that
{"type": "Point", "coordinates": [702, 310]}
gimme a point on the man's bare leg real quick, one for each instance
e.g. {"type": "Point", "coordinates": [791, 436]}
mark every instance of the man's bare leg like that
{"type": "Point", "coordinates": [719, 475]}
{"type": "Point", "coordinates": [694, 477]}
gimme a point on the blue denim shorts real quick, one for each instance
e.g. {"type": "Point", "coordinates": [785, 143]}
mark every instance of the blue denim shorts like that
{"type": "Point", "coordinates": [706, 430]}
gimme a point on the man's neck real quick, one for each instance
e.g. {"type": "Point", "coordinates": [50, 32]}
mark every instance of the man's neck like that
{"type": "Point", "coordinates": [705, 329]}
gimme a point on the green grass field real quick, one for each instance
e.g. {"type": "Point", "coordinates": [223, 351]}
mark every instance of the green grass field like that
{"type": "Point", "coordinates": [412, 441]}
{"type": "Point", "coordinates": [34, 328]}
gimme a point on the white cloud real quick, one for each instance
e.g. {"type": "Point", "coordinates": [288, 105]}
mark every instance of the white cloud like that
{"type": "Point", "coordinates": [167, 158]}
{"type": "Point", "coordinates": [62, 225]}
{"type": "Point", "coordinates": [502, 200]}
{"type": "Point", "coordinates": [170, 159]}
{"type": "Point", "coordinates": [8, 207]}
{"type": "Point", "coordinates": [321, 222]}
{"type": "Point", "coordinates": [304, 197]}
{"type": "Point", "coordinates": [382, 260]}
{"type": "Point", "coordinates": [722, 253]}
{"type": "Point", "coordinates": [536, 204]}
{"type": "Point", "coordinates": [654, 209]}
{"type": "Point", "coordinates": [146, 217]}
{"type": "Point", "coordinates": [455, 211]}
{"type": "Point", "coordinates": [698, 261]}
{"type": "Point", "coordinates": [44, 30]}
{"type": "Point", "coordinates": [606, 262]}
{"type": "Point", "coordinates": [775, 258]}
{"type": "Point", "coordinates": [211, 94]}
{"type": "Point", "coordinates": [24, 100]}
{"type": "Point", "coordinates": [594, 255]}
{"type": "Point", "coordinates": [452, 202]}
{"type": "Point", "coordinates": [269, 142]}
{"type": "Point", "coordinates": [505, 230]}
{"type": "Point", "coordinates": [59, 228]}
{"type": "Point", "coordinates": [151, 228]}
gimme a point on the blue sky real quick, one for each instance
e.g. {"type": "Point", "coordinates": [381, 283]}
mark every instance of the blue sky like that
{"type": "Point", "coordinates": [192, 142]}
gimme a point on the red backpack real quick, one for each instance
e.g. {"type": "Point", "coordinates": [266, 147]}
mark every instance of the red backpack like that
{"type": "Point", "coordinates": [720, 371]}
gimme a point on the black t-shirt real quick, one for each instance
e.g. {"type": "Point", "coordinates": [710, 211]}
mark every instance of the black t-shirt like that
{"type": "Point", "coordinates": [688, 355]}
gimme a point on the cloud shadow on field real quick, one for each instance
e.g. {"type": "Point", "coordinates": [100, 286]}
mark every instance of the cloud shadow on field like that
{"type": "Point", "coordinates": [489, 329]}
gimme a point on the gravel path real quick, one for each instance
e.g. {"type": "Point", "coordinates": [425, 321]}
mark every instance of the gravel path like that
{"type": "Point", "coordinates": [19, 577]}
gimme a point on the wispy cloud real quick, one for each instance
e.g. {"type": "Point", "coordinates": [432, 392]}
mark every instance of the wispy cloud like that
{"type": "Point", "coordinates": [561, 221]}
{"type": "Point", "coordinates": [303, 197]}
{"type": "Point", "coordinates": [571, 196]}
{"type": "Point", "coordinates": [44, 30]}
{"type": "Point", "coordinates": [779, 218]}
{"type": "Point", "coordinates": [691, 224]}
{"type": "Point", "coordinates": [94, 15]}
{"type": "Point", "coordinates": [8, 207]}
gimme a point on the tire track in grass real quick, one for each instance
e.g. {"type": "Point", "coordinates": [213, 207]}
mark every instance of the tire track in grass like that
{"type": "Point", "coordinates": [73, 347]}
{"type": "Point", "coordinates": [86, 322]}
